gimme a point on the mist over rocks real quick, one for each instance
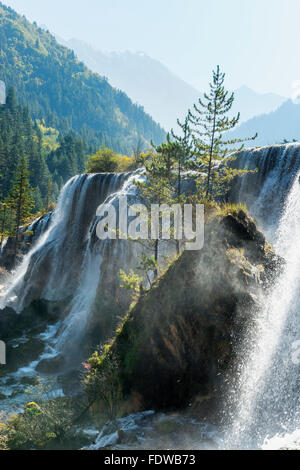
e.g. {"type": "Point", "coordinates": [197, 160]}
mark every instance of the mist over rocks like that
{"type": "Point", "coordinates": [182, 338]}
{"type": "Point", "coordinates": [179, 340]}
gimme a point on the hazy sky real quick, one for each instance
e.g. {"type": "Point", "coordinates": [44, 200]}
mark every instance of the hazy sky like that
{"type": "Point", "coordinates": [257, 42]}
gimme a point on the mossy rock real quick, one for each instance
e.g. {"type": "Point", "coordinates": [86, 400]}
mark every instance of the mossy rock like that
{"type": "Point", "coordinates": [180, 339]}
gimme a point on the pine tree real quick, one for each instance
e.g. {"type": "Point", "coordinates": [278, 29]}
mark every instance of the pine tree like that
{"type": "Point", "coordinates": [184, 150]}
{"type": "Point", "coordinates": [157, 189]}
{"type": "Point", "coordinates": [48, 195]}
{"type": "Point", "coordinates": [167, 167]}
{"type": "Point", "coordinates": [4, 208]}
{"type": "Point", "coordinates": [20, 199]}
{"type": "Point", "coordinates": [38, 200]}
{"type": "Point", "coordinates": [211, 121]}
{"type": "Point", "coordinates": [137, 152]}
{"type": "Point", "coordinates": [11, 99]}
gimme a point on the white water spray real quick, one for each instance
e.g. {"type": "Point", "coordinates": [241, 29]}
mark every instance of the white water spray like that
{"type": "Point", "coordinates": [266, 394]}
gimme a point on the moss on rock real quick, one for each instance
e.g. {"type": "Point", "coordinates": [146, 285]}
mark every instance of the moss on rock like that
{"type": "Point", "coordinates": [179, 339]}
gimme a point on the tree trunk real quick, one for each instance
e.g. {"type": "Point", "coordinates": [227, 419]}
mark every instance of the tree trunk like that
{"type": "Point", "coordinates": [18, 217]}
{"type": "Point", "coordinates": [3, 224]}
{"type": "Point", "coordinates": [211, 148]}
{"type": "Point", "coordinates": [210, 156]}
{"type": "Point", "coordinates": [156, 246]}
{"type": "Point", "coordinates": [178, 196]}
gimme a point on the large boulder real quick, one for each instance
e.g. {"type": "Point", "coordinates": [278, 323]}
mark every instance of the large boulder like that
{"type": "Point", "coordinates": [179, 340]}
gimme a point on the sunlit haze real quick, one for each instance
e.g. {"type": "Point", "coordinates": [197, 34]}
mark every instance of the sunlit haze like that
{"type": "Point", "coordinates": [255, 41]}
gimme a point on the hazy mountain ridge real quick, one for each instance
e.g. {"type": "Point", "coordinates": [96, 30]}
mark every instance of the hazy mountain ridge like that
{"type": "Point", "coordinates": [148, 82]}
{"type": "Point", "coordinates": [56, 86]}
{"type": "Point", "coordinates": [251, 104]}
{"type": "Point", "coordinates": [275, 127]}
{"type": "Point", "coordinates": [163, 94]}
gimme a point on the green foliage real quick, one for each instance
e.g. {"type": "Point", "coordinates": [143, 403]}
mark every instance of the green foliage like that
{"type": "Point", "coordinates": [147, 265]}
{"type": "Point", "coordinates": [162, 185]}
{"type": "Point", "coordinates": [20, 199]}
{"type": "Point", "coordinates": [108, 161]}
{"type": "Point", "coordinates": [200, 148]}
{"type": "Point", "coordinates": [20, 196]}
{"type": "Point", "coordinates": [131, 281]}
{"type": "Point", "coordinates": [19, 137]}
{"type": "Point", "coordinates": [183, 152]}
{"type": "Point", "coordinates": [3, 437]}
{"type": "Point", "coordinates": [220, 180]}
{"type": "Point", "coordinates": [63, 92]}
{"type": "Point", "coordinates": [6, 219]}
{"type": "Point", "coordinates": [211, 121]}
{"type": "Point", "coordinates": [103, 385]}
{"type": "Point", "coordinates": [40, 426]}
{"type": "Point", "coordinates": [156, 189]}
{"type": "Point", "coordinates": [230, 208]}
{"type": "Point", "coordinates": [67, 160]}
{"type": "Point", "coordinates": [50, 136]}
{"type": "Point", "coordinates": [32, 409]}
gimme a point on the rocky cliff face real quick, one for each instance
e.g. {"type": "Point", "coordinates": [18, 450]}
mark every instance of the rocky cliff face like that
{"type": "Point", "coordinates": [180, 338]}
{"type": "Point", "coordinates": [28, 236]}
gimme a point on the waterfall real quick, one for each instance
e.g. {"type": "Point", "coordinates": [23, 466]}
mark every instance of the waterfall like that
{"type": "Point", "coordinates": [68, 263]}
{"type": "Point", "coordinates": [267, 390]}
{"type": "Point", "coordinates": [59, 250]}
{"type": "Point", "coordinates": [121, 253]}
{"type": "Point", "coordinates": [265, 191]}
{"type": "Point", "coordinates": [65, 263]}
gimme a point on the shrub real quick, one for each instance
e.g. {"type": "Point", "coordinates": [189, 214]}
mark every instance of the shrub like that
{"type": "Point", "coordinates": [231, 209]}
{"type": "Point", "coordinates": [103, 384]}
{"type": "Point", "coordinates": [40, 427]}
{"type": "Point", "coordinates": [3, 437]}
{"type": "Point", "coordinates": [107, 161]}
{"type": "Point", "coordinates": [131, 282]}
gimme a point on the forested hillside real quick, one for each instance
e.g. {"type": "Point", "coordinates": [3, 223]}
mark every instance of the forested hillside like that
{"type": "Point", "coordinates": [60, 89]}
{"type": "Point", "coordinates": [52, 159]}
{"type": "Point", "coordinates": [20, 137]}
{"type": "Point", "coordinates": [2, 92]}
{"type": "Point", "coordinates": [163, 94]}
{"type": "Point", "coordinates": [147, 81]}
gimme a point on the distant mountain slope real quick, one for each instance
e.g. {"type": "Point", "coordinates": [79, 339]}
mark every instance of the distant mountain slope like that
{"type": "Point", "coordinates": [164, 95]}
{"type": "Point", "coordinates": [273, 128]}
{"type": "Point", "coordinates": [148, 82]}
{"type": "Point", "coordinates": [56, 86]}
{"type": "Point", "coordinates": [250, 104]}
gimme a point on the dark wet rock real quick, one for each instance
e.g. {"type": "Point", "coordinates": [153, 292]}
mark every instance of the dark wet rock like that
{"type": "Point", "coordinates": [29, 381]}
{"type": "Point", "coordinates": [22, 354]}
{"type": "Point", "coordinates": [180, 339]}
{"type": "Point", "coordinates": [71, 382]}
{"type": "Point", "coordinates": [10, 324]}
{"type": "Point", "coordinates": [34, 318]}
{"type": "Point", "coordinates": [52, 365]}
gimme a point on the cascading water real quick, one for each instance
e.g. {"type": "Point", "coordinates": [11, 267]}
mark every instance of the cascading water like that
{"type": "Point", "coordinates": [58, 253]}
{"type": "Point", "coordinates": [65, 265]}
{"type": "Point", "coordinates": [52, 268]}
{"type": "Point", "coordinates": [69, 263]}
{"type": "Point", "coordinates": [90, 278]}
{"type": "Point", "coordinates": [267, 394]}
